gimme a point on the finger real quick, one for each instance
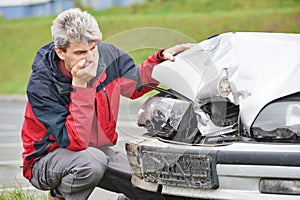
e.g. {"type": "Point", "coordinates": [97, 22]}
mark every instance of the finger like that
{"type": "Point", "coordinates": [168, 56]}
{"type": "Point", "coordinates": [189, 45]}
{"type": "Point", "coordinates": [81, 63]}
{"type": "Point", "coordinates": [183, 47]}
{"type": "Point", "coordinates": [74, 70]}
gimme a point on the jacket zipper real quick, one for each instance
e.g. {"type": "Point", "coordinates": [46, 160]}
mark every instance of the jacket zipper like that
{"type": "Point", "coordinates": [108, 103]}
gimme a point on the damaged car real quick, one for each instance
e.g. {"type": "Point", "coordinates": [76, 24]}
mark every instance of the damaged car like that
{"type": "Point", "coordinates": [227, 123]}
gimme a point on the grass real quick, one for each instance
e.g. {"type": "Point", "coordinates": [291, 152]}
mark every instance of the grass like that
{"type": "Point", "coordinates": [17, 192]}
{"type": "Point", "coordinates": [143, 28]}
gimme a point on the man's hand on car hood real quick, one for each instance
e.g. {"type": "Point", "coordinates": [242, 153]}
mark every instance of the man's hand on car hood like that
{"type": "Point", "coordinates": [168, 54]}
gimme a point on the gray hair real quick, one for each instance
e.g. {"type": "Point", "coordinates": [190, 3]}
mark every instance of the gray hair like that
{"type": "Point", "coordinates": [73, 26]}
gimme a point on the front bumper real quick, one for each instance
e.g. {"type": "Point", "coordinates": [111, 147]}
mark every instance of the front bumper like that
{"type": "Point", "coordinates": [232, 171]}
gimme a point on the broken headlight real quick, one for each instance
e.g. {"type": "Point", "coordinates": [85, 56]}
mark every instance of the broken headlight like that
{"type": "Point", "coordinates": [169, 118]}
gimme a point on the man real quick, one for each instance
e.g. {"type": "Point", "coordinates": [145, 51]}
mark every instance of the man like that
{"type": "Point", "coordinates": [73, 100]}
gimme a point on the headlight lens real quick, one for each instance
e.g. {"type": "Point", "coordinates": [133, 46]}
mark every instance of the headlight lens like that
{"type": "Point", "coordinates": [168, 118]}
{"type": "Point", "coordinates": [278, 121]}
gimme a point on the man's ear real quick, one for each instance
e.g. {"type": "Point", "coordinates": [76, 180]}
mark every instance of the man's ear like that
{"type": "Point", "coordinates": [60, 53]}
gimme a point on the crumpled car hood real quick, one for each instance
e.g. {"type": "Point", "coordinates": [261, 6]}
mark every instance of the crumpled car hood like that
{"type": "Point", "coordinates": [250, 69]}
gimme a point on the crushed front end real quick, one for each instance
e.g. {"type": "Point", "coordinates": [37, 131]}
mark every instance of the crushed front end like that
{"type": "Point", "coordinates": [224, 130]}
{"type": "Point", "coordinates": [233, 171]}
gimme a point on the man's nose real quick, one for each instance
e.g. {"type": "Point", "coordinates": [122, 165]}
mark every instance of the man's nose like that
{"type": "Point", "coordinates": [90, 56]}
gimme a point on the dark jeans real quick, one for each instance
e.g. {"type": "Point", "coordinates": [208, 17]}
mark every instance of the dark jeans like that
{"type": "Point", "coordinates": [75, 174]}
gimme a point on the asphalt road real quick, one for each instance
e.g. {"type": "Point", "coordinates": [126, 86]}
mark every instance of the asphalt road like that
{"type": "Point", "coordinates": [11, 118]}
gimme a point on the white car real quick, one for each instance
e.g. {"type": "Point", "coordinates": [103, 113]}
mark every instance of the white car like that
{"type": "Point", "coordinates": [228, 127]}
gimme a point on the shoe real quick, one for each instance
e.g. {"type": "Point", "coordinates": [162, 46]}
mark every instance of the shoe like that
{"type": "Point", "coordinates": [54, 195]}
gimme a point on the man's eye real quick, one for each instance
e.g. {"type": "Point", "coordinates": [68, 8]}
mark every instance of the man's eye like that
{"type": "Point", "coordinates": [80, 52]}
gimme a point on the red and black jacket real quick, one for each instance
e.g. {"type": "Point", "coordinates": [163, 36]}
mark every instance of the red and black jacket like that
{"type": "Point", "coordinates": [60, 115]}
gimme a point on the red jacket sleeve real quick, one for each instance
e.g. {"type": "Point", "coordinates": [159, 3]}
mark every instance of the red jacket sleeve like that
{"type": "Point", "coordinates": [79, 121]}
{"type": "Point", "coordinates": [132, 81]}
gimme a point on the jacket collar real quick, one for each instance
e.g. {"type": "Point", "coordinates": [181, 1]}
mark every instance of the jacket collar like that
{"type": "Point", "coordinates": [62, 83]}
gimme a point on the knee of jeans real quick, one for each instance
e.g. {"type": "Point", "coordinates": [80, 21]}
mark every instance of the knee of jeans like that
{"type": "Point", "coordinates": [93, 173]}
{"type": "Point", "coordinates": [96, 165]}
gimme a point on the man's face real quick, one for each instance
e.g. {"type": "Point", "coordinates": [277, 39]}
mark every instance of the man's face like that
{"type": "Point", "coordinates": [76, 52]}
